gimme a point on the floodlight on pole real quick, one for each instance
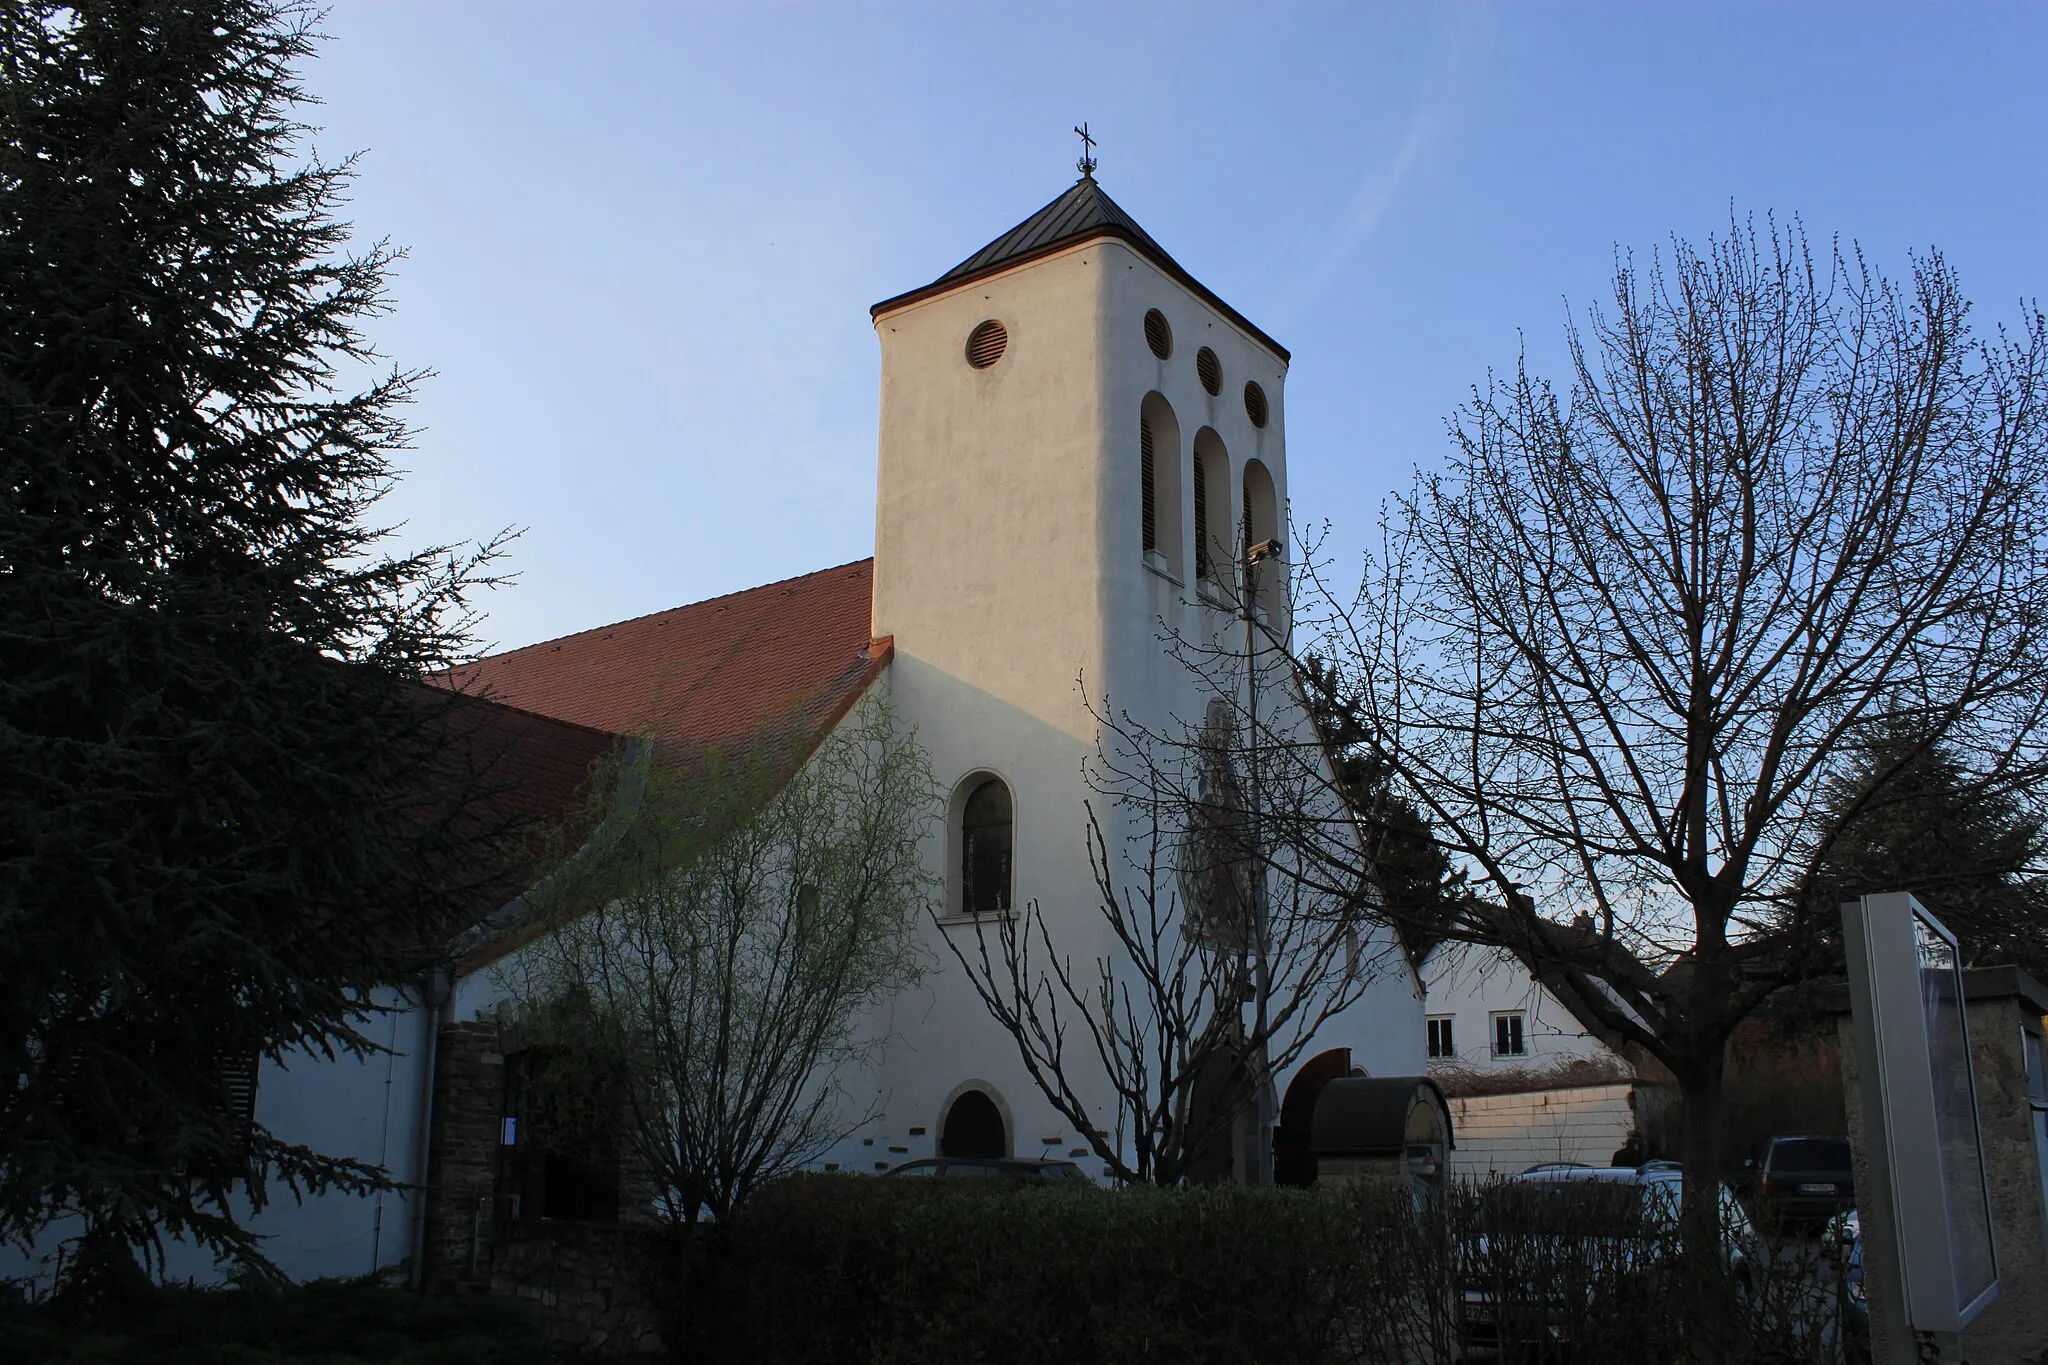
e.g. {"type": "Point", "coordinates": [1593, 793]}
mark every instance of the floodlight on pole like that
{"type": "Point", "coordinates": [1262, 978]}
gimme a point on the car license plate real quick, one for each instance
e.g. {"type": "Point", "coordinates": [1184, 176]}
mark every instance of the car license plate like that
{"type": "Point", "coordinates": [1816, 1189]}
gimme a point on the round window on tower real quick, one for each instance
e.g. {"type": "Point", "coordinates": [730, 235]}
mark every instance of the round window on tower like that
{"type": "Point", "coordinates": [1209, 370]}
{"type": "Point", "coordinates": [1158, 335]}
{"type": "Point", "coordinates": [1255, 403]}
{"type": "Point", "coordinates": [985, 344]}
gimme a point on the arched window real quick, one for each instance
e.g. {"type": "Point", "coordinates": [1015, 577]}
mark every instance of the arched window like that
{"type": "Point", "coordinates": [987, 828]}
{"type": "Point", "coordinates": [1212, 506]}
{"type": "Point", "coordinates": [974, 1128]}
{"type": "Point", "coordinates": [1262, 523]}
{"type": "Point", "coordinates": [1159, 460]}
{"type": "Point", "coordinates": [1215, 866]}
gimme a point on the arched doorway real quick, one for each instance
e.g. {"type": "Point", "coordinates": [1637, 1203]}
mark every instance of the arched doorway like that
{"type": "Point", "coordinates": [973, 1128]}
{"type": "Point", "coordinates": [1293, 1161]}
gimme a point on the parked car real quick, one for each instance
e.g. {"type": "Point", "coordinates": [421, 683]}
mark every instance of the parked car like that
{"type": "Point", "coordinates": [1030, 1168]}
{"type": "Point", "coordinates": [1612, 1223]}
{"type": "Point", "coordinates": [1807, 1178]}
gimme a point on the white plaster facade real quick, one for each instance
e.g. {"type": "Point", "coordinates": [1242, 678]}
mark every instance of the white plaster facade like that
{"type": "Point", "coordinates": [368, 1108]}
{"type": "Point", "coordinates": [1474, 988]}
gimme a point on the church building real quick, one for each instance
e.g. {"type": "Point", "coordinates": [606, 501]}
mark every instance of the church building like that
{"type": "Point", "coordinates": [1077, 439]}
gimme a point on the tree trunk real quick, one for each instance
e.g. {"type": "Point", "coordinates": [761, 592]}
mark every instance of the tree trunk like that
{"type": "Point", "coordinates": [1699, 1086]}
{"type": "Point", "coordinates": [1705, 1275]}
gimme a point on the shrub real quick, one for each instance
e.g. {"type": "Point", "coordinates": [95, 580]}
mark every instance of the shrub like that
{"type": "Point", "coordinates": [332, 1322]}
{"type": "Point", "coordinates": [830, 1269]}
{"type": "Point", "coordinates": [848, 1268]}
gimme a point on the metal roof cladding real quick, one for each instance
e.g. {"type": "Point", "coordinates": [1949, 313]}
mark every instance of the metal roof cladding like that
{"type": "Point", "coordinates": [1084, 212]}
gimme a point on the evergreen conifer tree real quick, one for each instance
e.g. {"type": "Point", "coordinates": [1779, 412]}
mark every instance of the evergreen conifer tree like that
{"type": "Point", "coordinates": [1412, 875]}
{"type": "Point", "coordinates": [1906, 819]}
{"type": "Point", "coordinates": [229, 810]}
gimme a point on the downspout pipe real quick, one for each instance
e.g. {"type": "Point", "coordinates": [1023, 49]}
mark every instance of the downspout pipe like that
{"type": "Point", "coordinates": [434, 994]}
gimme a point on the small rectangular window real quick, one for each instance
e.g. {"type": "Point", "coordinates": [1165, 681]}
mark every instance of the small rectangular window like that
{"type": "Point", "coordinates": [1441, 1042]}
{"type": "Point", "coordinates": [1507, 1034]}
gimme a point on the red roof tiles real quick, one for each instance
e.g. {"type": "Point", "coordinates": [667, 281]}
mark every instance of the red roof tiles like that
{"type": "Point", "coordinates": [712, 672]}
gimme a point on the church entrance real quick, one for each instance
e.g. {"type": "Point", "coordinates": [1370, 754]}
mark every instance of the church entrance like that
{"type": "Point", "coordinates": [1293, 1161]}
{"type": "Point", "coordinates": [973, 1128]}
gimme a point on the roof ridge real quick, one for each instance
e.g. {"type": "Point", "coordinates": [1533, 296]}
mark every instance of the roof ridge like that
{"type": "Point", "coordinates": [664, 611]}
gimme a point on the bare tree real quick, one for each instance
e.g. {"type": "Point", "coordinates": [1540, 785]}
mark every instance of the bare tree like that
{"type": "Point", "coordinates": [1170, 1019]}
{"type": "Point", "coordinates": [718, 964]}
{"type": "Point", "coordinates": [1620, 646]}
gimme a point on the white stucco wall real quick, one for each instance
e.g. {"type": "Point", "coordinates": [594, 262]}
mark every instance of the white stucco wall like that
{"type": "Point", "coordinates": [365, 1107]}
{"type": "Point", "coordinates": [1009, 570]}
{"type": "Point", "coordinates": [1472, 984]}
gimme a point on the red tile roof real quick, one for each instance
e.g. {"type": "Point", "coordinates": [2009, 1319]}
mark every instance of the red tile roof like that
{"type": "Point", "coordinates": [713, 672]}
{"type": "Point", "coordinates": [508, 792]}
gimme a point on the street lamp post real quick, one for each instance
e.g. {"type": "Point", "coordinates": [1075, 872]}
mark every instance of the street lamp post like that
{"type": "Point", "coordinates": [1262, 980]}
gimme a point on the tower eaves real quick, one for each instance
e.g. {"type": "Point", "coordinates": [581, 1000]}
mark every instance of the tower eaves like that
{"type": "Point", "coordinates": [1084, 212]}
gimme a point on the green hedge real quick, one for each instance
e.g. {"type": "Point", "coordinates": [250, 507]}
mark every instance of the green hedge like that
{"type": "Point", "coordinates": [325, 1322]}
{"type": "Point", "coordinates": [855, 1270]}
{"type": "Point", "coordinates": [900, 1272]}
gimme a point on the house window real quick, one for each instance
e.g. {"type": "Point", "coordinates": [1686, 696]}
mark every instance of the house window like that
{"type": "Point", "coordinates": [986, 831]}
{"type": "Point", "coordinates": [1441, 1042]}
{"type": "Point", "coordinates": [1507, 1034]}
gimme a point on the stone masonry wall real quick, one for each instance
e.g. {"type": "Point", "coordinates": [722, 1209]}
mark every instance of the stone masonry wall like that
{"type": "Point", "coordinates": [462, 1159]}
{"type": "Point", "coordinates": [594, 1287]}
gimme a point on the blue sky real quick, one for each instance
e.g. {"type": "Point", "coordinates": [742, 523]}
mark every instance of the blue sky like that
{"type": "Point", "coordinates": [643, 237]}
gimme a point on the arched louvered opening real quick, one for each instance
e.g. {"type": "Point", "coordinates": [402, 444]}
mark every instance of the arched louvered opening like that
{"type": "Point", "coordinates": [1261, 522]}
{"type": "Point", "coordinates": [987, 824]}
{"type": "Point", "coordinates": [1209, 370]}
{"type": "Point", "coordinates": [986, 344]}
{"type": "Point", "coordinates": [1212, 507]}
{"type": "Point", "coordinates": [1255, 403]}
{"type": "Point", "coordinates": [1159, 461]}
{"type": "Point", "coordinates": [1148, 497]}
{"type": "Point", "coordinates": [1158, 334]}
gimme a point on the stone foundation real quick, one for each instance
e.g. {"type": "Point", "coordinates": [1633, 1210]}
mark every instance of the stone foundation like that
{"type": "Point", "coordinates": [592, 1287]}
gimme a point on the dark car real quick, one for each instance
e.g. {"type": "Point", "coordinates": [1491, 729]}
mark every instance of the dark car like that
{"type": "Point", "coordinates": [1034, 1168]}
{"type": "Point", "coordinates": [1807, 1178]}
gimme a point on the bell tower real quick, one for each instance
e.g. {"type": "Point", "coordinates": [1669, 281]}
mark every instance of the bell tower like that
{"type": "Point", "coordinates": [1073, 433]}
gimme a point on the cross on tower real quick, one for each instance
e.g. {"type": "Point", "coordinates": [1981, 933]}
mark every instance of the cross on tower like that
{"type": "Point", "coordinates": [1087, 162]}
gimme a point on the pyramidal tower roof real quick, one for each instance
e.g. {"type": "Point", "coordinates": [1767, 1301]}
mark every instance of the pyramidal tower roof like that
{"type": "Point", "coordinates": [1083, 213]}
